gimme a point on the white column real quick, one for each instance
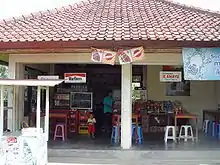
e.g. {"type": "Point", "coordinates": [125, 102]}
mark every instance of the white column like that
{"type": "Point", "coordinates": [46, 125]}
{"type": "Point", "coordinates": [11, 102]}
{"type": "Point", "coordinates": [126, 106]}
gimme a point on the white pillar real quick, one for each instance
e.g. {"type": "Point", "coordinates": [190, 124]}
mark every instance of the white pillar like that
{"type": "Point", "coordinates": [46, 125]}
{"type": "Point", "coordinates": [11, 102]}
{"type": "Point", "coordinates": [126, 106]}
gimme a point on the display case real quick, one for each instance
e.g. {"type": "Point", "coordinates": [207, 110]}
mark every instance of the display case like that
{"type": "Point", "coordinates": [81, 100]}
{"type": "Point", "coordinates": [62, 100]}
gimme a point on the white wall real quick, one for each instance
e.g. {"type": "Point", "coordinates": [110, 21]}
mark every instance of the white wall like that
{"type": "Point", "coordinates": [203, 93]}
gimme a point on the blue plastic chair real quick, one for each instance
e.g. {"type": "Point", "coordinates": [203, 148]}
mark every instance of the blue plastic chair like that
{"type": "Point", "coordinates": [140, 138]}
{"type": "Point", "coordinates": [114, 137]}
{"type": "Point", "coordinates": [210, 128]}
{"type": "Point", "coordinates": [217, 131]}
{"type": "Point", "coordinates": [133, 131]}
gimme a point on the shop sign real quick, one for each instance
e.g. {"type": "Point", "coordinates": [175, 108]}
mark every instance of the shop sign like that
{"type": "Point", "coordinates": [170, 76]}
{"type": "Point", "coordinates": [75, 77]}
{"type": "Point", "coordinates": [48, 77]}
{"type": "Point", "coordinates": [201, 63]}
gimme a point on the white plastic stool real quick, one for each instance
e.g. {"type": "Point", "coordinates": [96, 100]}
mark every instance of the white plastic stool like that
{"type": "Point", "coordinates": [205, 126]}
{"type": "Point", "coordinates": [173, 136]}
{"type": "Point", "coordinates": [184, 129]}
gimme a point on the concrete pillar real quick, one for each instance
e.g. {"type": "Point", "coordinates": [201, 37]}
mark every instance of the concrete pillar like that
{"type": "Point", "coordinates": [11, 103]}
{"type": "Point", "coordinates": [126, 106]}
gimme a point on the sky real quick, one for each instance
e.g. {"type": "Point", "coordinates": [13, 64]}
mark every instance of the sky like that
{"type": "Point", "coordinates": [15, 8]}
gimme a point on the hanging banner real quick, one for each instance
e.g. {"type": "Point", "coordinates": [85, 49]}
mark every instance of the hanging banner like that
{"type": "Point", "coordinates": [108, 57]}
{"type": "Point", "coordinates": [125, 57]}
{"type": "Point", "coordinates": [201, 63]}
{"type": "Point", "coordinates": [103, 56]}
{"type": "Point", "coordinates": [170, 76]}
{"type": "Point", "coordinates": [97, 55]}
{"type": "Point", "coordinates": [75, 77]}
{"type": "Point", "coordinates": [137, 53]}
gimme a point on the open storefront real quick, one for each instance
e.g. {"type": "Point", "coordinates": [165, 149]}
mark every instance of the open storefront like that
{"type": "Point", "coordinates": [155, 100]}
{"type": "Point", "coordinates": [151, 91]}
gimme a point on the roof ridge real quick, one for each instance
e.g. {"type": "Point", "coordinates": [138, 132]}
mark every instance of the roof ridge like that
{"type": "Point", "coordinates": [47, 11]}
{"type": "Point", "coordinates": [191, 7]}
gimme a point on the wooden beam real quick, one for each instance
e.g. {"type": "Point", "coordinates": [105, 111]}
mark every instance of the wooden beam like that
{"type": "Point", "coordinates": [84, 46]}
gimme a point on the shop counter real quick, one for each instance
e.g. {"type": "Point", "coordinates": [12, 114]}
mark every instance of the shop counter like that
{"type": "Point", "coordinates": [155, 122]}
{"type": "Point", "coordinates": [23, 149]}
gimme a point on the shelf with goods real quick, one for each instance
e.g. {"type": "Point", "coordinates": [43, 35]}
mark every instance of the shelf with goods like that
{"type": "Point", "coordinates": [62, 100]}
{"type": "Point", "coordinates": [156, 115]}
{"type": "Point", "coordinates": [73, 121]}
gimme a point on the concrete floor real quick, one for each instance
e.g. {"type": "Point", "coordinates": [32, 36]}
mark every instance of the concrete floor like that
{"type": "Point", "coordinates": [153, 151]}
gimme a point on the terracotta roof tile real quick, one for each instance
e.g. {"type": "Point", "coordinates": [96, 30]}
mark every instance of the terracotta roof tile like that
{"type": "Point", "coordinates": [115, 20]}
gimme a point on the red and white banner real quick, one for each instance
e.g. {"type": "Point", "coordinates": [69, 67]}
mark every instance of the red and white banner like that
{"type": "Point", "coordinates": [137, 53]}
{"type": "Point", "coordinates": [97, 55]}
{"type": "Point", "coordinates": [75, 77]}
{"type": "Point", "coordinates": [108, 57]}
{"type": "Point", "coordinates": [124, 57]}
{"type": "Point", "coordinates": [170, 76]}
{"type": "Point", "coordinates": [103, 56]}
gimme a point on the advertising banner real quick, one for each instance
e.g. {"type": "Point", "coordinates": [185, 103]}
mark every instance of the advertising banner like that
{"type": "Point", "coordinates": [201, 63]}
{"type": "Point", "coordinates": [174, 76]}
{"type": "Point", "coordinates": [75, 77]}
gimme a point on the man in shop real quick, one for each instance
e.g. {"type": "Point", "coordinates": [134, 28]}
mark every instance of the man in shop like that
{"type": "Point", "coordinates": [108, 109]}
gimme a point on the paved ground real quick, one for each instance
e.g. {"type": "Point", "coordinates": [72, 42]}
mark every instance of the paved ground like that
{"type": "Point", "coordinates": [119, 157]}
{"type": "Point", "coordinates": [204, 152]}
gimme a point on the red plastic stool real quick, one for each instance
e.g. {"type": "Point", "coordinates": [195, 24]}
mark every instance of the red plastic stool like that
{"type": "Point", "coordinates": [56, 133]}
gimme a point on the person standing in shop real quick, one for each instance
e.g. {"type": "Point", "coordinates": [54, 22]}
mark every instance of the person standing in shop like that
{"type": "Point", "coordinates": [108, 109]}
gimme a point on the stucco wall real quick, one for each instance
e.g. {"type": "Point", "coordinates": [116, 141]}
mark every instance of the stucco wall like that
{"type": "Point", "coordinates": [203, 93]}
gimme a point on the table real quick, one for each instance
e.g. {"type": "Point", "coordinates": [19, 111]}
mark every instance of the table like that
{"type": "Point", "coordinates": [188, 116]}
{"type": "Point", "coordinates": [60, 116]}
{"type": "Point", "coordinates": [213, 113]}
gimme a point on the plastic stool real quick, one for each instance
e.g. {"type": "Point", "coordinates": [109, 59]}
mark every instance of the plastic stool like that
{"type": "Point", "coordinates": [184, 129]}
{"type": "Point", "coordinates": [62, 135]}
{"type": "Point", "coordinates": [213, 128]}
{"type": "Point", "coordinates": [205, 126]}
{"type": "Point", "coordinates": [167, 137]}
{"type": "Point", "coordinates": [140, 137]}
{"type": "Point", "coordinates": [115, 131]}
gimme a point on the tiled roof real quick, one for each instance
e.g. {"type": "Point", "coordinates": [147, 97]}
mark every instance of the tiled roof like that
{"type": "Point", "coordinates": [115, 20]}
